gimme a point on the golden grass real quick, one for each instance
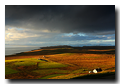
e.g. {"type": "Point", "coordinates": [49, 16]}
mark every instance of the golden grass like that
{"type": "Point", "coordinates": [77, 63]}
{"type": "Point", "coordinates": [89, 61]}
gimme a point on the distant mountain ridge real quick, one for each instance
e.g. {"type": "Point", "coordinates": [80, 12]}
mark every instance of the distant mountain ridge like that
{"type": "Point", "coordinates": [61, 46]}
{"type": "Point", "coordinates": [67, 49]}
{"type": "Point", "coordinates": [84, 47]}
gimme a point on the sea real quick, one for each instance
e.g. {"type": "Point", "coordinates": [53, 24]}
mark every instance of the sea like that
{"type": "Point", "coordinates": [13, 50]}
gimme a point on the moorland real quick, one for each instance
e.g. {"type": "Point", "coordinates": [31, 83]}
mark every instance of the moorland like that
{"type": "Point", "coordinates": [62, 62]}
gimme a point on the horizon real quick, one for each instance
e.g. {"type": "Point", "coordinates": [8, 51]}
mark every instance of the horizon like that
{"type": "Point", "coordinates": [55, 46]}
{"type": "Point", "coordinates": [52, 25]}
{"type": "Point", "coordinates": [14, 50]}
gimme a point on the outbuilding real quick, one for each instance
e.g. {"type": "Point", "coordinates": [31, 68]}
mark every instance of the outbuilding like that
{"type": "Point", "coordinates": [90, 71]}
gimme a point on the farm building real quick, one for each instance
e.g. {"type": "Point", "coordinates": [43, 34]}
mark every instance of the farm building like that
{"type": "Point", "coordinates": [97, 70]}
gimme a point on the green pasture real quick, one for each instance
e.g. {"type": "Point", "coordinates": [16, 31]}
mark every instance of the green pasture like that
{"type": "Point", "coordinates": [23, 62]}
{"type": "Point", "coordinates": [50, 71]}
{"type": "Point", "coordinates": [44, 67]}
{"type": "Point", "coordinates": [9, 71]}
{"type": "Point", "coordinates": [32, 61]}
{"type": "Point", "coordinates": [25, 59]}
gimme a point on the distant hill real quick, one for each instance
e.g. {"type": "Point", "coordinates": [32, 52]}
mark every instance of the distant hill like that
{"type": "Point", "coordinates": [84, 47]}
{"type": "Point", "coordinates": [68, 49]}
{"type": "Point", "coordinates": [97, 47]}
{"type": "Point", "coordinates": [61, 46]}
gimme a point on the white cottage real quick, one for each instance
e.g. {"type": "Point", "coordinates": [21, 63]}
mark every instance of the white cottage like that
{"type": "Point", "coordinates": [97, 70]}
{"type": "Point", "coordinates": [94, 71]}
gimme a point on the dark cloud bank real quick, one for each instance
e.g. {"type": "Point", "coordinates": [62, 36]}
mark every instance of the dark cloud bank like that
{"type": "Point", "coordinates": [96, 19]}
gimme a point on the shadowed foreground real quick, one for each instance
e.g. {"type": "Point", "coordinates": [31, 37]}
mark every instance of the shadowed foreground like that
{"type": "Point", "coordinates": [109, 75]}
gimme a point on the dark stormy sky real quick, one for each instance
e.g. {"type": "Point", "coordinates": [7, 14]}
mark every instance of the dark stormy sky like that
{"type": "Point", "coordinates": [49, 25]}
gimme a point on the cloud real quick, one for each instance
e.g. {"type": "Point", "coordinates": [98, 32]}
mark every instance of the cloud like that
{"type": "Point", "coordinates": [47, 25]}
{"type": "Point", "coordinates": [26, 36]}
{"type": "Point", "coordinates": [62, 18]}
{"type": "Point", "coordinates": [78, 37]}
{"type": "Point", "coordinates": [17, 34]}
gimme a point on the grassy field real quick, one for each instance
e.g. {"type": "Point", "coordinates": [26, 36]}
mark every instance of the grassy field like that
{"type": "Point", "coordinates": [61, 63]}
{"type": "Point", "coordinates": [9, 71]}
